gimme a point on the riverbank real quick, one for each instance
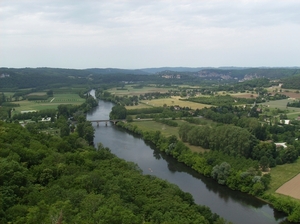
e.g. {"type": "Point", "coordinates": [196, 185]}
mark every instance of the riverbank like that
{"type": "Point", "coordinates": [239, 179]}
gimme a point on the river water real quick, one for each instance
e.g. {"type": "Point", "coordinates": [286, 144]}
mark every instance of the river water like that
{"type": "Point", "coordinates": [234, 206]}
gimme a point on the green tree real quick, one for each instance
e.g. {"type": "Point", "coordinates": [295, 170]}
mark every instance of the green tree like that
{"type": "Point", "coordinates": [118, 112]}
{"type": "Point", "coordinates": [221, 172]}
{"type": "Point", "coordinates": [264, 163]}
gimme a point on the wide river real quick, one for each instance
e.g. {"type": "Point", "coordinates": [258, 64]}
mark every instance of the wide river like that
{"type": "Point", "coordinates": [234, 206]}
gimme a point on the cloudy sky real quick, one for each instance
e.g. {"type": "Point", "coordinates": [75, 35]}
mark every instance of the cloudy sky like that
{"type": "Point", "coordinates": [149, 33]}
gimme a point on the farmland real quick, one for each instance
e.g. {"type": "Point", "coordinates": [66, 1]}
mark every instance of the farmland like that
{"type": "Point", "coordinates": [51, 103]}
{"type": "Point", "coordinates": [131, 90]}
{"type": "Point", "coordinates": [174, 101]}
{"type": "Point", "coordinates": [282, 174]}
{"type": "Point", "coordinates": [291, 188]}
{"type": "Point", "coordinates": [165, 130]}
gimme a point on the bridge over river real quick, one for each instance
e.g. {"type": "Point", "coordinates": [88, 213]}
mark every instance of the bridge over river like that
{"type": "Point", "coordinates": [114, 121]}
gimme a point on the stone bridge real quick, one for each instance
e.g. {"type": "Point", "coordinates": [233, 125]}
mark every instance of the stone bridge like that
{"type": "Point", "coordinates": [114, 121]}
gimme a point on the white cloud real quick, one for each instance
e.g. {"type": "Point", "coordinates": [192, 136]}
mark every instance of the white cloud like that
{"type": "Point", "coordinates": [136, 33]}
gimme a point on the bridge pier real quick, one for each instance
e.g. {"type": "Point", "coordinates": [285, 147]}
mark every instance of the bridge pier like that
{"type": "Point", "coordinates": [105, 123]}
{"type": "Point", "coordinates": [97, 123]}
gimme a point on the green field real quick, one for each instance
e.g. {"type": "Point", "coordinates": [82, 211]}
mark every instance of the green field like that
{"type": "Point", "coordinates": [174, 101]}
{"type": "Point", "coordinates": [292, 112]}
{"type": "Point", "coordinates": [130, 90]}
{"type": "Point", "coordinates": [51, 103]}
{"type": "Point", "coordinates": [283, 173]}
{"type": "Point", "coordinates": [165, 130]}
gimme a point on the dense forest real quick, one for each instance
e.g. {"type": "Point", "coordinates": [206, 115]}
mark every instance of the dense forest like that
{"type": "Point", "coordinates": [48, 179]}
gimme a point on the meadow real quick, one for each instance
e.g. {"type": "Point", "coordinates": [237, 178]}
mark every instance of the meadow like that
{"type": "Point", "coordinates": [51, 103]}
{"type": "Point", "coordinates": [165, 130]}
{"type": "Point", "coordinates": [131, 90]}
{"type": "Point", "coordinates": [283, 173]}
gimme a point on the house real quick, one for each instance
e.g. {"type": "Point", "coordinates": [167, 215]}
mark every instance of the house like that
{"type": "Point", "coordinates": [281, 144]}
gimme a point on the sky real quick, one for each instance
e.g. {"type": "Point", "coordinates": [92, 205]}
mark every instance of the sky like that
{"type": "Point", "coordinates": [135, 34]}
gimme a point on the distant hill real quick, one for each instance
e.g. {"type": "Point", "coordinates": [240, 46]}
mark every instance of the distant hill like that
{"type": "Point", "coordinates": [46, 77]}
{"type": "Point", "coordinates": [174, 69]}
{"type": "Point", "coordinates": [117, 71]}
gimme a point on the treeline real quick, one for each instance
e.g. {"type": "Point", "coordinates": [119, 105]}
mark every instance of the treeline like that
{"type": "Point", "coordinates": [36, 115]}
{"type": "Point", "coordinates": [122, 100]}
{"type": "Point", "coordinates": [229, 139]}
{"type": "Point", "coordinates": [292, 82]}
{"type": "Point", "coordinates": [237, 141]}
{"type": "Point", "coordinates": [120, 112]}
{"type": "Point", "coordinates": [293, 104]}
{"type": "Point", "coordinates": [221, 100]}
{"type": "Point", "coordinates": [37, 97]}
{"type": "Point", "coordinates": [47, 179]}
{"type": "Point", "coordinates": [238, 173]}
{"type": "Point", "coordinates": [169, 122]}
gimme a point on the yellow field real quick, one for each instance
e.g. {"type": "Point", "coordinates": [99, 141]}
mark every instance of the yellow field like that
{"type": "Point", "coordinates": [129, 90]}
{"type": "Point", "coordinates": [174, 101]}
{"type": "Point", "coordinates": [37, 94]}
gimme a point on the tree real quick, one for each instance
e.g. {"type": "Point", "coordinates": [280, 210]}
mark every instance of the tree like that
{"type": "Point", "coordinates": [264, 163]}
{"type": "Point", "coordinates": [221, 172]}
{"type": "Point", "coordinates": [118, 112]}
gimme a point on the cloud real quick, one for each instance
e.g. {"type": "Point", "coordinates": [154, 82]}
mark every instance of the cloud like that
{"type": "Point", "coordinates": [158, 29]}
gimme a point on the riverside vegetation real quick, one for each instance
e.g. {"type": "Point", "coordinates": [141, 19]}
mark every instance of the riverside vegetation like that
{"type": "Point", "coordinates": [238, 153]}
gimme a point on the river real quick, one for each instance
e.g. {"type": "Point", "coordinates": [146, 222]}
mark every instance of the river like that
{"type": "Point", "coordinates": [234, 206]}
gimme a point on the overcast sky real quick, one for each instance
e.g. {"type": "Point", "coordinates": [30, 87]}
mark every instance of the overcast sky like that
{"type": "Point", "coordinates": [149, 33]}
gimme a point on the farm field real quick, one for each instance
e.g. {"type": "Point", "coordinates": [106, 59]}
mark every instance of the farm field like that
{"type": "Point", "coordinates": [165, 130]}
{"type": "Point", "coordinates": [37, 94]}
{"type": "Point", "coordinates": [129, 90]}
{"type": "Point", "coordinates": [51, 103]}
{"type": "Point", "coordinates": [291, 188]}
{"type": "Point", "coordinates": [292, 94]}
{"type": "Point", "coordinates": [174, 101]}
{"type": "Point", "coordinates": [281, 104]}
{"type": "Point", "coordinates": [282, 174]}
{"type": "Point", "coordinates": [244, 95]}
{"type": "Point", "coordinates": [156, 126]}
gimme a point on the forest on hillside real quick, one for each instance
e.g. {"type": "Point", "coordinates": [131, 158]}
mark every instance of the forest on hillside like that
{"type": "Point", "coordinates": [49, 179]}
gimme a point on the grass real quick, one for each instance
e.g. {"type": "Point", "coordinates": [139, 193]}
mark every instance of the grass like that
{"type": "Point", "coordinates": [165, 130]}
{"type": "Point", "coordinates": [174, 101]}
{"type": "Point", "coordinates": [68, 98]}
{"type": "Point", "coordinates": [37, 94]}
{"type": "Point", "coordinates": [283, 173]}
{"type": "Point", "coordinates": [129, 90]}
{"type": "Point", "coordinates": [291, 112]}
{"type": "Point", "coordinates": [156, 126]}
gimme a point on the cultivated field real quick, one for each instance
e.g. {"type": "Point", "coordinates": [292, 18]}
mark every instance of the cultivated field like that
{"type": "Point", "coordinates": [292, 94]}
{"type": "Point", "coordinates": [165, 130]}
{"type": "Point", "coordinates": [282, 174]}
{"type": "Point", "coordinates": [244, 95]}
{"type": "Point", "coordinates": [37, 94]}
{"type": "Point", "coordinates": [292, 112]}
{"type": "Point", "coordinates": [291, 188]}
{"type": "Point", "coordinates": [174, 101]}
{"type": "Point", "coordinates": [51, 103]}
{"type": "Point", "coordinates": [156, 126]}
{"type": "Point", "coordinates": [129, 90]}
